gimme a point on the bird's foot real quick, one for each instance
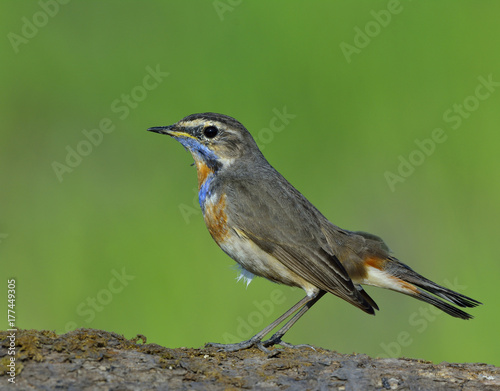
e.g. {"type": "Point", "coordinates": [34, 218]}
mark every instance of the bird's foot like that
{"type": "Point", "coordinates": [258, 343]}
{"type": "Point", "coordinates": [234, 347]}
{"type": "Point", "coordinates": [276, 340]}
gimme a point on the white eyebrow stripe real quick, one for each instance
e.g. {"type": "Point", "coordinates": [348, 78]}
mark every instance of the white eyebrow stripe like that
{"type": "Point", "coordinates": [200, 121]}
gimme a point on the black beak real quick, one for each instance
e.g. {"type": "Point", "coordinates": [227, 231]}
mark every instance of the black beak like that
{"type": "Point", "coordinates": [161, 129]}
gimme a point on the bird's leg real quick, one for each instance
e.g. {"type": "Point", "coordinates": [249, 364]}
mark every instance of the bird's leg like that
{"type": "Point", "coordinates": [303, 305]}
{"type": "Point", "coordinates": [276, 337]}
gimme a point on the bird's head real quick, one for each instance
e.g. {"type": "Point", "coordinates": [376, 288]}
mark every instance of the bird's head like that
{"type": "Point", "coordinates": [214, 140]}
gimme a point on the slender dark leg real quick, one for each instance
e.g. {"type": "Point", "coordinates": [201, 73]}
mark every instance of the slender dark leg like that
{"type": "Point", "coordinates": [276, 337]}
{"type": "Point", "coordinates": [302, 306]}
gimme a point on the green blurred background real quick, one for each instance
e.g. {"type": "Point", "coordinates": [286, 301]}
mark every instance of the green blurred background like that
{"type": "Point", "coordinates": [360, 83]}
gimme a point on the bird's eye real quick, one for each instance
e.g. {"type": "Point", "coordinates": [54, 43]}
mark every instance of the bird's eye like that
{"type": "Point", "coordinates": [210, 131]}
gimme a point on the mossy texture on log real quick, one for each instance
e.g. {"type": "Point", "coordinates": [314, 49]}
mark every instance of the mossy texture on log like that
{"type": "Point", "coordinates": [87, 359]}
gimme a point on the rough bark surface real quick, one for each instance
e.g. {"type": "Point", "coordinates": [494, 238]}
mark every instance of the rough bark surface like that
{"type": "Point", "coordinates": [87, 359]}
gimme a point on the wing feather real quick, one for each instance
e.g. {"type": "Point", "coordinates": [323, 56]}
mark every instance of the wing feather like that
{"type": "Point", "coordinates": [282, 222]}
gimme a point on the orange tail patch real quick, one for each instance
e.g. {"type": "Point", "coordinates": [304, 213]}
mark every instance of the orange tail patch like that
{"type": "Point", "coordinates": [376, 275]}
{"type": "Point", "coordinates": [375, 262]}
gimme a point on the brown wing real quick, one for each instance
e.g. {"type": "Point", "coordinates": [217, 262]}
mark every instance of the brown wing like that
{"type": "Point", "coordinates": [282, 222]}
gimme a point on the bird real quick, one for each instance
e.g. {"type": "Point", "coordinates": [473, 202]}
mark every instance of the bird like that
{"type": "Point", "coordinates": [272, 231]}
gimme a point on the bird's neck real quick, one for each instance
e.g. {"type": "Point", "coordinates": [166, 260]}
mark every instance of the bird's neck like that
{"type": "Point", "coordinates": [206, 175]}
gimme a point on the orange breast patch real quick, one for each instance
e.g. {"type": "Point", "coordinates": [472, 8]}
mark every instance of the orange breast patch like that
{"type": "Point", "coordinates": [203, 172]}
{"type": "Point", "coordinates": [216, 219]}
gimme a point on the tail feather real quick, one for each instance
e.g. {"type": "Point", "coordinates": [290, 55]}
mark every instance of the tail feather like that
{"type": "Point", "coordinates": [407, 274]}
{"type": "Point", "coordinates": [445, 293]}
{"type": "Point", "coordinates": [392, 274]}
{"type": "Point", "coordinates": [442, 305]}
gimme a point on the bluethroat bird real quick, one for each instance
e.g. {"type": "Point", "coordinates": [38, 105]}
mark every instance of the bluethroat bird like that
{"type": "Point", "coordinates": [271, 230]}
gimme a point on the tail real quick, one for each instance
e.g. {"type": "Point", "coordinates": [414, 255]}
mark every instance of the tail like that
{"type": "Point", "coordinates": [391, 274]}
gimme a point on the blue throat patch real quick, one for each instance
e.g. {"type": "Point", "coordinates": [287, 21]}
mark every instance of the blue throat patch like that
{"type": "Point", "coordinates": [209, 158]}
{"type": "Point", "coordinates": [205, 191]}
{"type": "Point", "coordinates": [195, 146]}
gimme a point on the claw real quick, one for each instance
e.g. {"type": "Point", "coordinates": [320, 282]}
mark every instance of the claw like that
{"type": "Point", "coordinates": [302, 345]}
{"type": "Point", "coordinates": [234, 347]}
{"type": "Point", "coordinates": [261, 345]}
{"type": "Point", "coordinates": [276, 340]}
{"type": "Point", "coordinates": [230, 347]}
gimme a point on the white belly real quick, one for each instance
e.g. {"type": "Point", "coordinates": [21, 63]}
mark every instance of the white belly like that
{"type": "Point", "coordinates": [254, 261]}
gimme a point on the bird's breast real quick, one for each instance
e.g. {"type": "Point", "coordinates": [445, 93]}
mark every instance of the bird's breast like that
{"type": "Point", "coordinates": [212, 202]}
{"type": "Point", "coordinates": [214, 213]}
